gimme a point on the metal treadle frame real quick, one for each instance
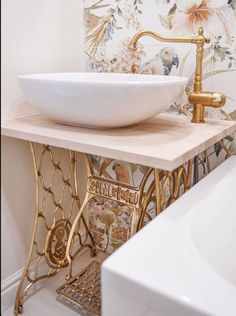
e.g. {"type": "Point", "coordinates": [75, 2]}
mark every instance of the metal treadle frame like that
{"type": "Point", "coordinates": [64, 227]}
{"type": "Point", "coordinates": [84, 290]}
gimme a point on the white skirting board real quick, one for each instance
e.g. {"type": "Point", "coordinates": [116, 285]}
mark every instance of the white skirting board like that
{"type": "Point", "coordinates": [44, 301]}
{"type": "Point", "coordinates": [10, 284]}
{"type": "Point", "coordinates": [8, 289]}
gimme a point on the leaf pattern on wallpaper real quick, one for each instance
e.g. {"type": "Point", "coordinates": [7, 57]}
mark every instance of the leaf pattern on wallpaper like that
{"type": "Point", "coordinates": [232, 4]}
{"type": "Point", "coordinates": [166, 20]}
{"type": "Point", "coordinates": [100, 27]}
{"type": "Point", "coordinates": [232, 139]}
{"type": "Point", "coordinates": [222, 53]}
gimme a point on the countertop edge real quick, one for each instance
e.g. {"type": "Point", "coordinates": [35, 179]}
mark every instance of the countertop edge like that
{"type": "Point", "coordinates": [114, 153]}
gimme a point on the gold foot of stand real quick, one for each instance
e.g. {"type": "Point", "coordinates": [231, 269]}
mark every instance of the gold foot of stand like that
{"type": "Point", "coordinates": [121, 198]}
{"type": "Point", "coordinates": [84, 290]}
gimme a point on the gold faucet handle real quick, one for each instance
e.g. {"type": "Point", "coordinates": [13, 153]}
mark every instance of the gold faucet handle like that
{"type": "Point", "coordinates": [218, 99]}
{"type": "Point", "coordinates": [207, 98]}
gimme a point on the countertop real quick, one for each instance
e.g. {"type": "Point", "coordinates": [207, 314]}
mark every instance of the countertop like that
{"type": "Point", "coordinates": [165, 141]}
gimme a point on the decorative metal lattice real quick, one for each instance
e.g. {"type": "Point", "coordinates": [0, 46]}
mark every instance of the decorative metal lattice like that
{"type": "Point", "coordinates": [121, 198]}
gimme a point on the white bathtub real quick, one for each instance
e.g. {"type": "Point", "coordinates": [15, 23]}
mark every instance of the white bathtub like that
{"type": "Point", "coordinates": [184, 262]}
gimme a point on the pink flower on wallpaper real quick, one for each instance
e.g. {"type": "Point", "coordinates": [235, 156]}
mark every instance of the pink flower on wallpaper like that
{"type": "Point", "coordinates": [216, 16]}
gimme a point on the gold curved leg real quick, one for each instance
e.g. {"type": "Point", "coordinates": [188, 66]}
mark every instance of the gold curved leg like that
{"type": "Point", "coordinates": [56, 204]}
{"type": "Point", "coordinates": [18, 308]}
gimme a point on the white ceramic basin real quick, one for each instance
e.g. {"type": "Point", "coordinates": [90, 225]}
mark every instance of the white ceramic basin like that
{"type": "Point", "coordinates": [184, 262]}
{"type": "Point", "coordinates": [100, 100]}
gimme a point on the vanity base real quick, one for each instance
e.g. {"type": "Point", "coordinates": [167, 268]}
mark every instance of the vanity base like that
{"type": "Point", "coordinates": [63, 227]}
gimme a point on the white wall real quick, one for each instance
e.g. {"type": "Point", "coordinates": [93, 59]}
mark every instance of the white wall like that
{"type": "Point", "coordinates": [37, 36]}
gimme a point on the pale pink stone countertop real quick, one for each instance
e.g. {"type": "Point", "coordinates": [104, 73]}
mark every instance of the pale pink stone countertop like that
{"type": "Point", "coordinates": [165, 141]}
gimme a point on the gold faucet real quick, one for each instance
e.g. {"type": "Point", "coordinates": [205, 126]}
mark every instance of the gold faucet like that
{"type": "Point", "coordinates": [197, 97]}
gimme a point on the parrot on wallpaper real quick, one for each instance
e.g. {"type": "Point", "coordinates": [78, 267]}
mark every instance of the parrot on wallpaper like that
{"type": "Point", "coordinates": [122, 173]}
{"type": "Point", "coordinates": [162, 63]}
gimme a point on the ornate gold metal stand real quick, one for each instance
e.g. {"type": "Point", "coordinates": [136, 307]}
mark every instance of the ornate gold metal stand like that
{"type": "Point", "coordinates": [121, 198]}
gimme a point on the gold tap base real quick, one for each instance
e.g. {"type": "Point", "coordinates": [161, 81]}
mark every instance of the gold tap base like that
{"type": "Point", "coordinates": [198, 114]}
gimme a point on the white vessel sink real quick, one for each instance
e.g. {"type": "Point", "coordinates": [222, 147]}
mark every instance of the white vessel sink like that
{"type": "Point", "coordinates": [184, 262]}
{"type": "Point", "coordinates": [101, 100]}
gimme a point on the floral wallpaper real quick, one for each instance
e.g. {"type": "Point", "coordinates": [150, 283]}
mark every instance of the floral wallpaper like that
{"type": "Point", "coordinates": [109, 25]}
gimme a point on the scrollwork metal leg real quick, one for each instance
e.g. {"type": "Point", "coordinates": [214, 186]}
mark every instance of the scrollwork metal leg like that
{"type": "Point", "coordinates": [56, 204]}
{"type": "Point", "coordinates": [18, 308]}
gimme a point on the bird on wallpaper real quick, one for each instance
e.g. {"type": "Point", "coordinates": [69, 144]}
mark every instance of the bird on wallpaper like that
{"type": "Point", "coordinates": [122, 172]}
{"type": "Point", "coordinates": [162, 63]}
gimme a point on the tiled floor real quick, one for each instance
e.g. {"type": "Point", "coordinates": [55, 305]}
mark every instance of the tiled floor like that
{"type": "Point", "coordinates": [44, 302]}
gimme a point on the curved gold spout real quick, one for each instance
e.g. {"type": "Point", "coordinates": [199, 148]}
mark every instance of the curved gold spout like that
{"type": "Point", "coordinates": [198, 98]}
{"type": "Point", "coordinates": [200, 39]}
